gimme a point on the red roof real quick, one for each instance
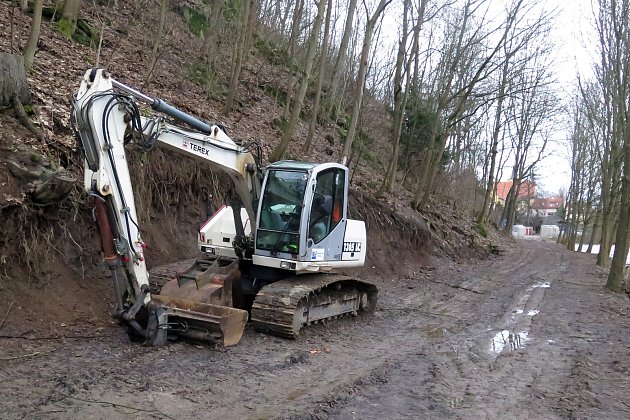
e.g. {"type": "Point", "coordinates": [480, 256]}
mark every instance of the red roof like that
{"type": "Point", "coordinates": [548, 203]}
{"type": "Point", "coordinates": [527, 189]}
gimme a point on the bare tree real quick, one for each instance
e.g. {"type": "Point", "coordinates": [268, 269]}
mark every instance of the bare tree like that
{"type": "Point", "coordinates": [279, 151]}
{"type": "Point", "coordinates": [238, 53]}
{"type": "Point", "coordinates": [531, 110]}
{"type": "Point", "coordinates": [494, 142]}
{"type": "Point", "coordinates": [157, 42]}
{"type": "Point", "coordinates": [343, 49]}
{"type": "Point", "coordinates": [400, 99]}
{"type": "Point", "coordinates": [360, 82]}
{"type": "Point", "coordinates": [467, 61]}
{"type": "Point", "coordinates": [293, 38]}
{"type": "Point", "coordinates": [614, 35]}
{"type": "Point", "coordinates": [607, 116]}
{"type": "Point", "coordinates": [211, 36]}
{"type": "Point", "coordinates": [320, 80]}
{"type": "Point", "coordinates": [33, 36]}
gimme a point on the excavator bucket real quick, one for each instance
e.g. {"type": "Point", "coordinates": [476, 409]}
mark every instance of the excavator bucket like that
{"type": "Point", "coordinates": [203, 321]}
{"type": "Point", "coordinates": [199, 302]}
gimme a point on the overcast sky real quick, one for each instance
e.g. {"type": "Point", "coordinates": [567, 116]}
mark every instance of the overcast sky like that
{"type": "Point", "coordinates": [573, 33]}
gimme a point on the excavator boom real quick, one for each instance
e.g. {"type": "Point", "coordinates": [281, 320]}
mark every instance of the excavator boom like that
{"type": "Point", "coordinates": [105, 120]}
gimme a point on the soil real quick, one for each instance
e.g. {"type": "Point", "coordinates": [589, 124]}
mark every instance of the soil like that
{"type": "Point", "coordinates": [531, 333]}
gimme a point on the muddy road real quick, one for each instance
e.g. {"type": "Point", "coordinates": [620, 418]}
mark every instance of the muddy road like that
{"type": "Point", "coordinates": [529, 334]}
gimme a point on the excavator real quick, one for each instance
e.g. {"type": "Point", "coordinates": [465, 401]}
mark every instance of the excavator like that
{"type": "Point", "coordinates": [270, 254]}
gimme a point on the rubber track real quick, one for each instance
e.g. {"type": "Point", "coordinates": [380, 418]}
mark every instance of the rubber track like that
{"type": "Point", "coordinates": [275, 305]}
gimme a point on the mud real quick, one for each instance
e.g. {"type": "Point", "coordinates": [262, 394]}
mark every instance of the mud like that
{"type": "Point", "coordinates": [529, 334]}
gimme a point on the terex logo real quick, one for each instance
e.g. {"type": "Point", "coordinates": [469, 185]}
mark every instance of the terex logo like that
{"type": "Point", "coordinates": [195, 148]}
{"type": "Point", "coordinates": [352, 247]}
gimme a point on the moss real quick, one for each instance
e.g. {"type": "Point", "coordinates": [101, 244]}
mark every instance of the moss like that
{"type": "Point", "coordinates": [481, 229]}
{"type": "Point", "coordinates": [37, 158]}
{"type": "Point", "coordinates": [66, 27]}
{"type": "Point", "coordinates": [29, 109]}
{"type": "Point", "coordinates": [197, 21]}
{"type": "Point", "coordinates": [81, 38]}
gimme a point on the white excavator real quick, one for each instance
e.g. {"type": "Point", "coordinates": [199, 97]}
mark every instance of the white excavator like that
{"type": "Point", "coordinates": [269, 256]}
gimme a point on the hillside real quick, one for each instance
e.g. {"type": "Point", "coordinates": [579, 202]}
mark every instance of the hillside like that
{"type": "Point", "coordinates": [51, 266]}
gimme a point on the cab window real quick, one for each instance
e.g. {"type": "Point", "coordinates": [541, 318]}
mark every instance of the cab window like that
{"type": "Point", "coordinates": [281, 210]}
{"type": "Point", "coordinates": [328, 204]}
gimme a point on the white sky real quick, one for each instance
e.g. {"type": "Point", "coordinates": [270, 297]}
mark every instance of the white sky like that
{"type": "Point", "coordinates": [572, 28]}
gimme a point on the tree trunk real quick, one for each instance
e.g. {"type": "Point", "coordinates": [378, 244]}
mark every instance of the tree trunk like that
{"type": "Point", "coordinates": [343, 48]}
{"type": "Point", "coordinates": [252, 23]}
{"type": "Point", "coordinates": [400, 104]}
{"type": "Point", "coordinates": [622, 240]}
{"type": "Point", "coordinates": [483, 215]}
{"type": "Point", "coordinates": [13, 80]}
{"type": "Point", "coordinates": [295, 29]}
{"type": "Point", "coordinates": [358, 94]}
{"type": "Point", "coordinates": [239, 52]}
{"type": "Point", "coordinates": [33, 36]}
{"type": "Point", "coordinates": [279, 151]}
{"type": "Point", "coordinates": [156, 42]}
{"type": "Point", "coordinates": [69, 16]}
{"type": "Point", "coordinates": [320, 80]}
{"type": "Point", "coordinates": [210, 44]}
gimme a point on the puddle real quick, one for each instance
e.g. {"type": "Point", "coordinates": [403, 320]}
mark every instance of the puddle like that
{"type": "Point", "coordinates": [519, 318]}
{"type": "Point", "coordinates": [507, 340]}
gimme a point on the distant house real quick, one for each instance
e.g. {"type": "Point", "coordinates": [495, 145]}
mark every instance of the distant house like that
{"type": "Point", "coordinates": [526, 191]}
{"type": "Point", "coordinates": [545, 207]}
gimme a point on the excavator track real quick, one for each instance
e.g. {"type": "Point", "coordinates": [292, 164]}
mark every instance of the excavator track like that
{"type": "Point", "coordinates": [284, 307]}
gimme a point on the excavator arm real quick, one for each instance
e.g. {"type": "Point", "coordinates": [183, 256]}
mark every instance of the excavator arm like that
{"type": "Point", "coordinates": [106, 117]}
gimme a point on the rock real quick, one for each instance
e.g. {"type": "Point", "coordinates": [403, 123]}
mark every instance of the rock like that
{"type": "Point", "coordinates": [45, 186]}
{"type": "Point", "coordinates": [13, 79]}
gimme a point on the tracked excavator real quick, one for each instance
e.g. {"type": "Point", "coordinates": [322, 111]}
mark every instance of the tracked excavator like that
{"type": "Point", "coordinates": [270, 254]}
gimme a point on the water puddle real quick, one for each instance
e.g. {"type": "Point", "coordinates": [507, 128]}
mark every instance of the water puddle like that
{"type": "Point", "coordinates": [519, 318]}
{"type": "Point", "coordinates": [508, 340]}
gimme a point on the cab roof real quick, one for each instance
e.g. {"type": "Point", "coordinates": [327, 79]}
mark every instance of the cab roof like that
{"type": "Point", "coordinates": [292, 164]}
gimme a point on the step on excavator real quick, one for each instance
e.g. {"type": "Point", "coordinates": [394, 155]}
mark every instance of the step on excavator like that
{"type": "Point", "coordinates": [270, 254]}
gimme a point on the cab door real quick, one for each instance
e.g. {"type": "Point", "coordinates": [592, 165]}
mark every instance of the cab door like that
{"type": "Point", "coordinates": [327, 215]}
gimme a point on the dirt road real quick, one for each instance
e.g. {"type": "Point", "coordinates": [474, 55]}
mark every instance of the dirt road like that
{"type": "Point", "coordinates": [530, 334]}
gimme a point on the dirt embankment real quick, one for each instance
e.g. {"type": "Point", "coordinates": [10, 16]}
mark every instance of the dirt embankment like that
{"type": "Point", "coordinates": [531, 334]}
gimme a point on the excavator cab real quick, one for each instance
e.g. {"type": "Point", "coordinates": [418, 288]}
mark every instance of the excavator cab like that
{"type": "Point", "coordinates": [302, 219]}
